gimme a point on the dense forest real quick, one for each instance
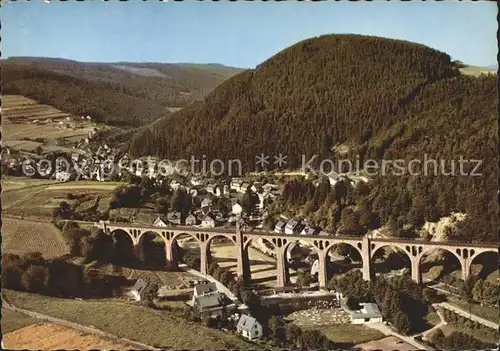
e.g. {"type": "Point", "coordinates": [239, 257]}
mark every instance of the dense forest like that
{"type": "Point", "coordinates": [379, 98]}
{"type": "Point", "coordinates": [120, 94]}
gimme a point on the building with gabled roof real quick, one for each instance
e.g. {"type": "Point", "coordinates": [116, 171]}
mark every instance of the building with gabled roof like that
{"type": "Point", "coordinates": [249, 327]}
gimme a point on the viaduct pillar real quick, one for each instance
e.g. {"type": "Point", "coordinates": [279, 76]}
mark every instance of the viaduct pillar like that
{"type": "Point", "coordinates": [366, 258]}
{"type": "Point", "coordinates": [242, 261]}
{"type": "Point", "coordinates": [281, 269]}
{"type": "Point", "coordinates": [171, 253]}
{"type": "Point", "coordinates": [416, 275]}
{"type": "Point", "coordinates": [204, 258]}
{"type": "Point", "coordinates": [322, 269]}
{"type": "Point", "coordinates": [465, 263]}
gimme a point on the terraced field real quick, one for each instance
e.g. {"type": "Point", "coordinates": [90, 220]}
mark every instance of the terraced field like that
{"type": "Point", "coordinates": [17, 108]}
{"type": "Point", "coordinates": [37, 198]}
{"type": "Point", "coordinates": [21, 236]}
{"type": "Point", "coordinates": [26, 124]}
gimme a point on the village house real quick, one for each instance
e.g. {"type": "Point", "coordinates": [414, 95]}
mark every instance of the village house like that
{"type": "Point", "coordinates": [191, 219]}
{"type": "Point", "coordinates": [369, 313]}
{"type": "Point", "coordinates": [256, 187]}
{"type": "Point", "coordinates": [210, 188]}
{"type": "Point", "coordinates": [139, 289]}
{"type": "Point", "coordinates": [280, 227]}
{"type": "Point", "coordinates": [249, 327]}
{"type": "Point", "coordinates": [269, 187]}
{"type": "Point", "coordinates": [292, 227]}
{"type": "Point", "coordinates": [235, 184]}
{"type": "Point", "coordinates": [308, 231]}
{"type": "Point", "coordinates": [195, 181]}
{"type": "Point", "coordinates": [208, 221]}
{"type": "Point", "coordinates": [160, 221]}
{"type": "Point", "coordinates": [243, 225]}
{"type": "Point", "coordinates": [204, 288]}
{"type": "Point", "coordinates": [175, 185]}
{"type": "Point", "coordinates": [174, 217]}
{"type": "Point", "coordinates": [236, 209]}
{"type": "Point", "coordinates": [194, 192]}
{"type": "Point", "coordinates": [214, 304]}
{"type": "Point", "coordinates": [206, 206]}
{"type": "Point", "coordinates": [244, 187]}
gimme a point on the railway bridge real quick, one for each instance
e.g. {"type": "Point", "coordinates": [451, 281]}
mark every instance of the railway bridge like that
{"type": "Point", "coordinates": [366, 246]}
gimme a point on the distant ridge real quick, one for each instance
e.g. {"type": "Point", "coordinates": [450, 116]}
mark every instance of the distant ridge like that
{"type": "Point", "coordinates": [122, 94]}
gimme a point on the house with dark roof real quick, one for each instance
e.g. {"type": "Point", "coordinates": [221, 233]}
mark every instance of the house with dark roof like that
{"type": "Point", "coordinates": [204, 288]}
{"type": "Point", "coordinates": [292, 227]}
{"type": "Point", "coordinates": [213, 304]}
{"type": "Point", "coordinates": [139, 289]}
{"type": "Point", "coordinates": [249, 327]}
{"type": "Point", "coordinates": [308, 231]}
{"type": "Point", "coordinates": [280, 227]}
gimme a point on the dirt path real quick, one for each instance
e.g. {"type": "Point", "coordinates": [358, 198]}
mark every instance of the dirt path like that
{"type": "Point", "coordinates": [468, 315]}
{"type": "Point", "coordinates": [388, 331]}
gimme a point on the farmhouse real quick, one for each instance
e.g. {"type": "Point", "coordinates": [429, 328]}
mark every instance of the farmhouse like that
{"type": "Point", "coordinates": [308, 231]}
{"type": "Point", "coordinates": [369, 313]}
{"type": "Point", "coordinates": [292, 227]}
{"type": "Point", "coordinates": [249, 327]}
{"type": "Point", "coordinates": [208, 221]}
{"type": "Point", "coordinates": [204, 288]}
{"type": "Point", "coordinates": [279, 227]}
{"type": "Point", "coordinates": [191, 219]}
{"type": "Point", "coordinates": [139, 289]}
{"type": "Point", "coordinates": [174, 217]}
{"type": "Point", "coordinates": [160, 221]}
{"type": "Point", "coordinates": [213, 304]}
{"type": "Point", "coordinates": [206, 205]}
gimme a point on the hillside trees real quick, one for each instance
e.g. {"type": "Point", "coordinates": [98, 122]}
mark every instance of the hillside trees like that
{"type": "Point", "coordinates": [381, 99]}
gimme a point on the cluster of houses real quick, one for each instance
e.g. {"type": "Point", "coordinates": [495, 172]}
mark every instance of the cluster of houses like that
{"type": "Point", "coordinates": [229, 210]}
{"type": "Point", "coordinates": [297, 227]}
{"type": "Point", "coordinates": [208, 301]}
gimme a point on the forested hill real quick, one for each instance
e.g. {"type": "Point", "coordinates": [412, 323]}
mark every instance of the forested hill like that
{"type": "Point", "coordinates": [116, 93]}
{"type": "Point", "coordinates": [381, 98]}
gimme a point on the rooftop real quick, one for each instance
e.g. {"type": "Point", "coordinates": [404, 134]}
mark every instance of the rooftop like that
{"type": "Point", "coordinates": [368, 310]}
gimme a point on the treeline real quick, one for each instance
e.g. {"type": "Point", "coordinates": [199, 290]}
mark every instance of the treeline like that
{"type": "Point", "coordinates": [325, 84]}
{"type": "Point", "coordinates": [459, 341]}
{"type": "Point", "coordinates": [56, 277]}
{"type": "Point", "coordinates": [381, 99]}
{"type": "Point", "coordinates": [122, 94]}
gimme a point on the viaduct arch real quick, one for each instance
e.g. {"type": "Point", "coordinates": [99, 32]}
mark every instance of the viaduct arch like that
{"type": "Point", "coordinates": [366, 246]}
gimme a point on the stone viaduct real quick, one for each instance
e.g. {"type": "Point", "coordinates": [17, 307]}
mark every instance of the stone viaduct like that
{"type": "Point", "coordinates": [367, 247]}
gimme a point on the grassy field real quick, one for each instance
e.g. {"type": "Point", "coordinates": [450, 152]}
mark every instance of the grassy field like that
{"type": "Point", "coordinates": [477, 71]}
{"type": "Point", "coordinates": [152, 327]}
{"type": "Point", "coordinates": [12, 320]}
{"type": "Point", "coordinates": [21, 236]}
{"type": "Point", "coordinates": [349, 333]}
{"type": "Point", "coordinates": [27, 197]}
